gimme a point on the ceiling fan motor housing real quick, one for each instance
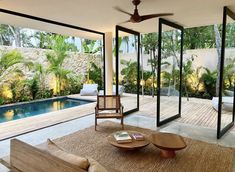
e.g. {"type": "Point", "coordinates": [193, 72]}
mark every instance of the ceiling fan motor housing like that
{"type": "Point", "coordinates": [136, 2]}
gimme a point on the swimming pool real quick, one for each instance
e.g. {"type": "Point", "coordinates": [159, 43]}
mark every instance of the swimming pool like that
{"type": "Point", "coordinates": [24, 110]}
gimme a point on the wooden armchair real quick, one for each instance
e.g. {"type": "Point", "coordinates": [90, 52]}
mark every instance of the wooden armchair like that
{"type": "Point", "coordinates": [108, 106]}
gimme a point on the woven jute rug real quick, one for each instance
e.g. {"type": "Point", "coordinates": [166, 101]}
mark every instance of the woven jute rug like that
{"type": "Point", "coordinates": [198, 156]}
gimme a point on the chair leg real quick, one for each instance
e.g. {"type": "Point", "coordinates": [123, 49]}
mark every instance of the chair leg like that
{"type": "Point", "coordinates": [122, 123]}
{"type": "Point", "coordinates": [95, 123]}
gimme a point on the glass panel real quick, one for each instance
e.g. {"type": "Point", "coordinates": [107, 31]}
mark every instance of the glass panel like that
{"type": "Point", "coordinates": [229, 74]}
{"type": "Point", "coordinates": [170, 72]}
{"type": "Point", "coordinates": [128, 70]}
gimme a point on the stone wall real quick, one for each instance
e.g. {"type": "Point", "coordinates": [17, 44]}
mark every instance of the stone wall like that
{"type": "Point", "coordinates": [76, 62]}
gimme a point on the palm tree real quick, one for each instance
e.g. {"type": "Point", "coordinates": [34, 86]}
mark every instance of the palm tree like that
{"type": "Point", "coordinates": [126, 39]}
{"type": "Point", "coordinates": [56, 59]}
{"type": "Point", "coordinates": [9, 65]}
{"type": "Point", "coordinates": [218, 48]}
{"type": "Point", "coordinates": [150, 42]}
{"type": "Point", "coordinates": [209, 79]}
{"type": "Point", "coordinates": [90, 47]}
{"type": "Point", "coordinates": [40, 75]}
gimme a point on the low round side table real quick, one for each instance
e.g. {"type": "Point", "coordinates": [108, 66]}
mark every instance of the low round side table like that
{"type": "Point", "coordinates": [168, 143]}
{"type": "Point", "coordinates": [135, 144]}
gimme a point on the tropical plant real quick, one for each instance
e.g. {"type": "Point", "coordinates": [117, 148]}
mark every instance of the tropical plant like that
{"type": "Point", "coordinates": [2, 101]}
{"type": "Point", "coordinates": [9, 65]}
{"type": "Point", "coordinates": [229, 73]}
{"type": "Point", "coordinates": [129, 72]}
{"type": "Point", "coordinates": [90, 47]}
{"type": "Point", "coordinates": [150, 42]}
{"type": "Point", "coordinates": [126, 40]}
{"type": "Point", "coordinates": [56, 58]}
{"type": "Point", "coordinates": [19, 90]}
{"type": "Point", "coordinates": [194, 80]}
{"type": "Point", "coordinates": [43, 39]}
{"type": "Point", "coordinates": [95, 74]}
{"type": "Point", "coordinates": [74, 83]}
{"type": "Point", "coordinates": [5, 35]}
{"type": "Point", "coordinates": [199, 38]}
{"type": "Point", "coordinates": [119, 45]}
{"type": "Point", "coordinates": [40, 74]}
{"type": "Point", "coordinates": [33, 86]}
{"type": "Point", "coordinates": [187, 70]}
{"type": "Point", "coordinates": [209, 80]}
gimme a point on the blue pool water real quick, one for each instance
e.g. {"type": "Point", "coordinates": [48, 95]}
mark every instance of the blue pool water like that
{"type": "Point", "coordinates": [36, 108]}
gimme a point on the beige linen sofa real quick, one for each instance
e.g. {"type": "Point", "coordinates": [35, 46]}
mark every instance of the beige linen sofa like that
{"type": "Point", "coordinates": [27, 158]}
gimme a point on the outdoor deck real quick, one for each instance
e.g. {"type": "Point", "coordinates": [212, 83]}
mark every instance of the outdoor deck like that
{"type": "Point", "coordinates": [196, 112]}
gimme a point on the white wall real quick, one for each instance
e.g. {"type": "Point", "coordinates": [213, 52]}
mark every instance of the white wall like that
{"type": "Point", "coordinates": [202, 57]}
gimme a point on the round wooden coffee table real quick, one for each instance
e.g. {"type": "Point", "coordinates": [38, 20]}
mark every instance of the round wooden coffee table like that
{"type": "Point", "coordinates": [135, 144]}
{"type": "Point", "coordinates": [168, 143]}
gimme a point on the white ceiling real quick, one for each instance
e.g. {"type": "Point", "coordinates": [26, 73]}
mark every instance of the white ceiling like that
{"type": "Point", "coordinates": [99, 14]}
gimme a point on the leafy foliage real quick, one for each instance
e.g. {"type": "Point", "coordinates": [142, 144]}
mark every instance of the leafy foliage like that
{"type": "Point", "coordinates": [209, 80]}
{"type": "Point", "coordinates": [95, 74]}
{"type": "Point", "coordinates": [56, 59]}
{"type": "Point", "coordinates": [90, 47]}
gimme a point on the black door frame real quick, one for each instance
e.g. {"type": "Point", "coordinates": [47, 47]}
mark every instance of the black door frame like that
{"type": "Point", "coordinates": [123, 29]}
{"type": "Point", "coordinates": [18, 14]}
{"type": "Point", "coordinates": [181, 28]}
{"type": "Point", "coordinates": [221, 131]}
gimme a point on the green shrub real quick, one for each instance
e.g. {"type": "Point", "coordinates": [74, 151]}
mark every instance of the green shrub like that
{"type": "Point", "coordinates": [2, 101]}
{"type": "Point", "coordinates": [46, 93]}
{"type": "Point", "coordinates": [33, 87]}
{"type": "Point", "coordinates": [74, 85]}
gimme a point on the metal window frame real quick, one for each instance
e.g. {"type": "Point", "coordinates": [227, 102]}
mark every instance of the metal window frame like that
{"type": "Point", "coordinates": [18, 14]}
{"type": "Point", "coordinates": [221, 131]}
{"type": "Point", "coordinates": [123, 29]}
{"type": "Point", "coordinates": [181, 28]}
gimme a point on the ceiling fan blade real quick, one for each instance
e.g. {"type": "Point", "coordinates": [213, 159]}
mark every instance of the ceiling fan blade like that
{"type": "Point", "coordinates": [124, 22]}
{"type": "Point", "coordinates": [122, 11]}
{"type": "Point", "coordinates": [146, 17]}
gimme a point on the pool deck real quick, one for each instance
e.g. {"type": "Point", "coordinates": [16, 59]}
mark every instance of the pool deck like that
{"type": "Point", "coordinates": [25, 125]}
{"type": "Point", "coordinates": [196, 112]}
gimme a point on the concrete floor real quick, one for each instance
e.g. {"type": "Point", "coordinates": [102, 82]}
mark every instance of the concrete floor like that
{"type": "Point", "coordinates": [186, 130]}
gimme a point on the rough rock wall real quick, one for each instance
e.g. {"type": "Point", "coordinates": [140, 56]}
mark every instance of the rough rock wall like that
{"type": "Point", "coordinates": [76, 62]}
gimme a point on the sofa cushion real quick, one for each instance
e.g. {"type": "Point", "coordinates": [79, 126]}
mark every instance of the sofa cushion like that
{"type": "Point", "coordinates": [227, 103]}
{"type": "Point", "coordinates": [229, 93]}
{"type": "Point", "coordinates": [90, 86]}
{"type": "Point", "coordinates": [95, 166]}
{"type": "Point", "coordinates": [88, 92]}
{"type": "Point", "coordinates": [121, 89]}
{"type": "Point", "coordinates": [76, 161]}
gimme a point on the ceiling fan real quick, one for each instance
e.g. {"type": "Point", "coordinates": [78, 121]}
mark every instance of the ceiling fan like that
{"type": "Point", "coordinates": [136, 18]}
